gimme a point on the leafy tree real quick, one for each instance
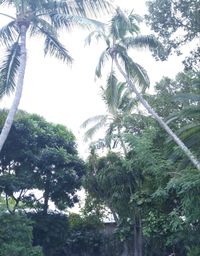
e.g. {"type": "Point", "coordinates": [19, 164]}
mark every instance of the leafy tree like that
{"type": "Point", "coordinates": [166, 99]}
{"type": "Point", "coordinates": [40, 155]}
{"type": "Point", "coordinates": [84, 236]}
{"type": "Point", "coordinates": [177, 101]}
{"type": "Point", "coordinates": [39, 17]}
{"type": "Point", "coordinates": [16, 236]}
{"type": "Point", "coordinates": [50, 232]}
{"type": "Point", "coordinates": [112, 182]}
{"type": "Point", "coordinates": [123, 34]}
{"type": "Point", "coordinates": [176, 23]}
{"type": "Point", "coordinates": [190, 127]}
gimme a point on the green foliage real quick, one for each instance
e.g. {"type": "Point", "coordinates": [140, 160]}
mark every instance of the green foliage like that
{"type": "Point", "coordinates": [193, 251]}
{"type": "Point", "coordinates": [50, 232]}
{"type": "Point", "coordinates": [40, 155]}
{"type": "Point", "coordinates": [177, 101]}
{"type": "Point", "coordinates": [87, 236]}
{"type": "Point", "coordinates": [176, 23]}
{"type": "Point", "coordinates": [84, 237]}
{"type": "Point", "coordinates": [8, 70]}
{"type": "Point", "coordinates": [16, 236]}
{"type": "Point", "coordinates": [112, 176]}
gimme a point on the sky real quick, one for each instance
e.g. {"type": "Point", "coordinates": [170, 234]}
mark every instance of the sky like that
{"type": "Point", "coordinates": [69, 95]}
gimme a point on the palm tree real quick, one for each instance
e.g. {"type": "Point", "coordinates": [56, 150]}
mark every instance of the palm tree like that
{"type": "Point", "coordinates": [119, 105]}
{"type": "Point", "coordinates": [123, 34]}
{"type": "Point", "coordinates": [38, 17]}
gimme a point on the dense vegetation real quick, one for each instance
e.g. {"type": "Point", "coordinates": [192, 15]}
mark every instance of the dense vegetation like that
{"type": "Point", "coordinates": [136, 173]}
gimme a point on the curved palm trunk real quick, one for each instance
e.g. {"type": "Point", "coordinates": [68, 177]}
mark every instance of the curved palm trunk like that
{"type": "Point", "coordinates": [132, 87]}
{"type": "Point", "coordinates": [10, 117]}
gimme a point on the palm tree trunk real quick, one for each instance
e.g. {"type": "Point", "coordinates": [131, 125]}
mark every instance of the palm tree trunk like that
{"type": "Point", "coordinates": [132, 87]}
{"type": "Point", "coordinates": [19, 87]}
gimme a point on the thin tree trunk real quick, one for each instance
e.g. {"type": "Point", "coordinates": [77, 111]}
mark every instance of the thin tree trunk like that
{"type": "Point", "coordinates": [19, 87]}
{"type": "Point", "coordinates": [132, 87]}
{"type": "Point", "coordinates": [135, 237]}
{"type": "Point", "coordinates": [140, 236]}
{"type": "Point", "coordinates": [46, 194]}
{"type": "Point", "coordinates": [125, 249]}
{"type": "Point", "coordinates": [46, 203]}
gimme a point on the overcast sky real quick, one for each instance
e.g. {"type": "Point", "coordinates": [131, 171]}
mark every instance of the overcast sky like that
{"type": "Point", "coordinates": [70, 95]}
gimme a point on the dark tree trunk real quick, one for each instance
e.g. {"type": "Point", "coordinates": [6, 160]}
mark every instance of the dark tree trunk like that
{"type": "Point", "coordinates": [135, 238]}
{"type": "Point", "coordinates": [140, 236]}
{"type": "Point", "coordinates": [46, 195]}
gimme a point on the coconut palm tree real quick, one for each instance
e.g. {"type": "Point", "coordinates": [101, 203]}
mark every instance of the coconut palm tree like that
{"type": "Point", "coordinates": [38, 17]}
{"type": "Point", "coordinates": [119, 106]}
{"type": "Point", "coordinates": [123, 33]}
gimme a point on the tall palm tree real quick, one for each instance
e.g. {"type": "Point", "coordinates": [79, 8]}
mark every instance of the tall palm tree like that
{"type": "Point", "coordinates": [123, 34]}
{"type": "Point", "coordinates": [119, 106]}
{"type": "Point", "coordinates": [36, 17]}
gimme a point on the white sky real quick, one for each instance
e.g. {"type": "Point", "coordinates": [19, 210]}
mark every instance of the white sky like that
{"type": "Point", "coordinates": [69, 95]}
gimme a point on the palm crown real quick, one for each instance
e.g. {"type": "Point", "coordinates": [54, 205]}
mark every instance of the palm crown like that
{"type": "Point", "coordinates": [123, 33]}
{"type": "Point", "coordinates": [119, 105]}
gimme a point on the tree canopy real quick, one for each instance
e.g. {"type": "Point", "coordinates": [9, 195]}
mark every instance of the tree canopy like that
{"type": "Point", "coordinates": [40, 155]}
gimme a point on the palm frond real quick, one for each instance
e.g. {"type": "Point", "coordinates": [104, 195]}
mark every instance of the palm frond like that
{"type": "Point", "coordinates": [8, 34]}
{"type": "Point", "coordinates": [52, 43]}
{"type": "Point", "coordinates": [88, 39]}
{"type": "Point", "coordinates": [125, 100]}
{"type": "Point", "coordinates": [135, 18]}
{"type": "Point", "coordinates": [92, 120]}
{"type": "Point", "coordinates": [139, 74]}
{"type": "Point", "coordinates": [7, 2]}
{"type": "Point", "coordinates": [133, 69]}
{"type": "Point", "coordinates": [189, 134]}
{"type": "Point", "coordinates": [40, 27]}
{"type": "Point", "coordinates": [121, 24]}
{"type": "Point", "coordinates": [8, 70]}
{"type": "Point", "coordinates": [37, 5]}
{"type": "Point", "coordinates": [78, 7]}
{"type": "Point", "coordinates": [66, 20]}
{"type": "Point", "coordinates": [103, 57]}
{"type": "Point", "coordinates": [189, 130]}
{"type": "Point", "coordinates": [50, 7]}
{"type": "Point", "coordinates": [189, 112]}
{"type": "Point", "coordinates": [101, 121]}
{"type": "Point", "coordinates": [192, 97]}
{"type": "Point", "coordinates": [148, 41]}
{"type": "Point", "coordinates": [109, 94]}
{"type": "Point", "coordinates": [54, 47]}
{"type": "Point", "coordinates": [94, 7]}
{"type": "Point", "coordinates": [97, 34]}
